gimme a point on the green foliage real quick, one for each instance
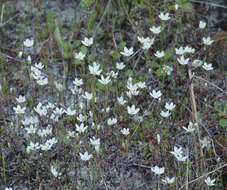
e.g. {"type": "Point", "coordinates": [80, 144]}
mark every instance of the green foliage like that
{"type": "Point", "coordinates": [221, 113]}
{"type": "Point", "coordinates": [64, 46]}
{"type": "Point", "coordinates": [86, 3]}
{"type": "Point", "coordinates": [54, 29]}
{"type": "Point", "coordinates": [50, 18]}
{"type": "Point", "coordinates": [185, 4]}
{"type": "Point", "coordinates": [92, 20]}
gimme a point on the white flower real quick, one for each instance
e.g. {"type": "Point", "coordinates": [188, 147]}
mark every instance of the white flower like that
{"type": "Point", "coordinates": [191, 127]}
{"type": "Point", "coordinates": [57, 114]}
{"type": "Point", "coordinates": [45, 132]}
{"type": "Point", "coordinates": [141, 85]}
{"type": "Point", "coordinates": [158, 170]}
{"type": "Point", "coordinates": [39, 65]}
{"type": "Point", "coordinates": [207, 67]}
{"type": "Point", "coordinates": [54, 171]}
{"type": "Point", "coordinates": [81, 128]}
{"type": "Point", "coordinates": [209, 181]}
{"type": "Point", "coordinates": [121, 100]}
{"type": "Point", "coordinates": [36, 73]}
{"type": "Point", "coordinates": [170, 106]}
{"type": "Point", "coordinates": [59, 86]}
{"type": "Point", "coordinates": [120, 66]}
{"type": "Point", "coordinates": [95, 69]}
{"type": "Point", "coordinates": [107, 110]}
{"type": "Point", "coordinates": [78, 82]}
{"type": "Point", "coordinates": [88, 96]}
{"type": "Point", "coordinates": [112, 74]}
{"type": "Point", "coordinates": [70, 112]}
{"type": "Point", "coordinates": [32, 146]}
{"type": "Point", "coordinates": [104, 80]}
{"type": "Point", "coordinates": [158, 138]}
{"type": "Point", "coordinates": [125, 131]}
{"type": "Point", "coordinates": [133, 88]}
{"type": "Point", "coordinates": [127, 52]}
{"type": "Point", "coordinates": [21, 99]}
{"type": "Point", "coordinates": [111, 121]}
{"type": "Point", "coordinates": [28, 43]}
{"type": "Point", "coordinates": [85, 156]}
{"type": "Point", "coordinates": [48, 144]}
{"type": "Point", "coordinates": [96, 143]}
{"type": "Point", "coordinates": [197, 63]}
{"type": "Point", "coordinates": [182, 60]}
{"type": "Point", "coordinates": [188, 49]}
{"type": "Point", "coordinates": [202, 24]}
{"type": "Point", "coordinates": [19, 109]}
{"type": "Point", "coordinates": [29, 59]}
{"type": "Point", "coordinates": [180, 50]}
{"type": "Point", "coordinates": [146, 42]}
{"type": "Point", "coordinates": [207, 41]}
{"type": "Point", "coordinates": [8, 188]}
{"type": "Point", "coordinates": [168, 69]}
{"type": "Point", "coordinates": [155, 30]}
{"type": "Point", "coordinates": [20, 54]}
{"type": "Point", "coordinates": [168, 180]}
{"type": "Point", "coordinates": [41, 110]}
{"type": "Point", "coordinates": [205, 142]}
{"type": "Point", "coordinates": [132, 110]}
{"type": "Point", "coordinates": [71, 134]}
{"type": "Point", "coordinates": [79, 55]}
{"type": "Point", "coordinates": [31, 129]}
{"type": "Point", "coordinates": [87, 41]}
{"type": "Point", "coordinates": [30, 121]}
{"type": "Point", "coordinates": [178, 154]}
{"type": "Point", "coordinates": [164, 16]}
{"type": "Point", "coordinates": [156, 94]}
{"type": "Point", "coordinates": [176, 6]}
{"type": "Point", "coordinates": [81, 118]}
{"type": "Point", "coordinates": [159, 54]}
{"type": "Point", "coordinates": [42, 81]}
{"type": "Point", "coordinates": [165, 114]}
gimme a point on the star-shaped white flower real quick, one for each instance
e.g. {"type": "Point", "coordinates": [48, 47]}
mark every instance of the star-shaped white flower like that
{"type": "Point", "coordinates": [104, 80]}
{"type": "Point", "coordinates": [207, 67]}
{"type": "Point", "coordinates": [19, 109]}
{"type": "Point", "coordinates": [164, 16]}
{"type": "Point", "coordinates": [182, 60]}
{"type": "Point", "coordinates": [146, 42]}
{"type": "Point", "coordinates": [85, 156]}
{"type": "Point", "coordinates": [125, 131]}
{"type": "Point", "coordinates": [158, 170]}
{"type": "Point", "coordinates": [165, 114]}
{"type": "Point", "coordinates": [28, 43]}
{"type": "Point", "coordinates": [159, 54]}
{"type": "Point", "coordinates": [81, 128]}
{"type": "Point", "coordinates": [87, 41]}
{"type": "Point", "coordinates": [127, 52]}
{"type": "Point", "coordinates": [21, 99]}
{"type": "Point", "coordinates": [132, 110]}
{"type": "Point", "coordinates": [120, 66]}
{"type": "Point", "coordinates": [209, 181]}
{"type": "Point", "coordinates": [156, 94]}
{"type": "Point", "coordinates": [190, 128]}
{"type": "Point", "coordinates": [80, 56]}
{"type": "Point", "coordinates": [170, 106]}
{"type": "Point", "coordinates": [111, 121]}
{"type": "Point", "coordinates": [207, 41]}
{"type": "Point", "coordinates": [155, 30]}
{"type": "Point", "coordinates": [168, 180]}
{"type": "Point", "coordinates": [95, 69]}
